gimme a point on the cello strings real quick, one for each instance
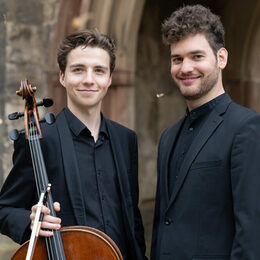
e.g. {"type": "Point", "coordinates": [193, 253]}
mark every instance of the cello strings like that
{"type": "Point", "coordinates": [44, 182]}
{"type": "Point", "coordinates": [35, 164]}
{"type": "Point", "coordinates": [38, 176]}
{"type": "Point", "coordinates": [55, 245]}
{"type": "Point", "coordinates": [41, 183]}
{"type": "Point", "coordinates": [33, 161]}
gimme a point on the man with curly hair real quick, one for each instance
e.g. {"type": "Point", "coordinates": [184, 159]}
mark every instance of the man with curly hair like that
{"type": "Point", "coordinates": [208, 190]}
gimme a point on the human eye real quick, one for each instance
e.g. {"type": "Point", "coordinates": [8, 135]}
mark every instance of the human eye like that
{"type": "Point", "coordinates": [77, 70]}
{"type": "Point", "coordinates": [198, 57]}
{"type": "Point", "coordinates": [100, 70]}
{"type": "Point", "coordinates": [177, 60]}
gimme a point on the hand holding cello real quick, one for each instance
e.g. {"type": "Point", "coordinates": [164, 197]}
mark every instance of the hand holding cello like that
{"type": "Point", "coordinates": [49, 222]}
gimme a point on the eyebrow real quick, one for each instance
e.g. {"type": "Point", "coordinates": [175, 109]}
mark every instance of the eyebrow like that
{"type": "Point", "coordinates": [82, 65]}
{"type": "Point", "coordinates": [76, 65]}
{"type": "Point", "coordinates": [101, 67]}
{"type": "Point", "coordinates": [192, 52]}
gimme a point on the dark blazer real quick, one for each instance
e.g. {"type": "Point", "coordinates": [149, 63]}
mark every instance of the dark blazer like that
{"type": "Point", "coordinates": [214, 210]}
{"type": "Point", "coordinates": [18, 193]}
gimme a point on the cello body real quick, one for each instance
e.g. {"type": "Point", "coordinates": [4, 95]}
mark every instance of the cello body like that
{"type": "Point", "coordinates": [79, 242]}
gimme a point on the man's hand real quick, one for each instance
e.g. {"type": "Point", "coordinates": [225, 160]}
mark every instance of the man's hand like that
{"type": "Point", "coordinates": [49, 222]}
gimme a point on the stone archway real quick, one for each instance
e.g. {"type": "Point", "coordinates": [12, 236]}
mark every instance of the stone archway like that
{"type": "Point", "coordinates": [251, 61]}
{"type": "Point", "coordinates": [119, 19]}
{"type": "Point", "coordinates": [64, 26]}
{"type": "Point", "coordinates": [241, 77]}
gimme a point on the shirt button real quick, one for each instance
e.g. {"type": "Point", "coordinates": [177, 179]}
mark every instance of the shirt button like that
{"type": "Point", "coordinates": [191, 128]}
{"type": "Point", "coordinates": [167, 221]}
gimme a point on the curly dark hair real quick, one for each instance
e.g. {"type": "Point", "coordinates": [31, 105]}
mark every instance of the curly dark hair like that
{"type": "Point", "coordinates": [193, 19]}
{"type": "Point", "coordinates": [88, 37]}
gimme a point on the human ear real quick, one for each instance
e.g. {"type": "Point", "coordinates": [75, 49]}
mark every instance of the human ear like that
{"type": "Point", "coordinates": [222, 56]}
{"type": "Point", "coordinates": [62, 81]}
{"type": "Point", "coordinates": [110, 80]}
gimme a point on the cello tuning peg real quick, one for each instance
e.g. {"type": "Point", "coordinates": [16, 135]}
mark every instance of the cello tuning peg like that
{"type": "Point", "coordinates": [49, 118]}
{"type": "Point", "coordinates": [14, 134]}
{"type": "Point", "coordinates": [15, 115]}
{"type": "Point", "coordinates": [47, 102]}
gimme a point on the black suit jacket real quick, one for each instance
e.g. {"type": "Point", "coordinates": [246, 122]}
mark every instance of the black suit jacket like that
{"type": "Point", "coordinates": [18, 193]}
{"type": "Point", "coordinates": [214, 210]}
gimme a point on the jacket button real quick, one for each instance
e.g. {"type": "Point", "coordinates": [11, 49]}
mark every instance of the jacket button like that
{"type": "Point", "coordinates": [167, 221]}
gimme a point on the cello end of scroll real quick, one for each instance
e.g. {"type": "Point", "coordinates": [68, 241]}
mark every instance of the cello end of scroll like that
{"type": "Point", "coordinates": [19, 92]}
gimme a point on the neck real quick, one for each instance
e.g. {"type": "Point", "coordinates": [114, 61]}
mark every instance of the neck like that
{"type": "Point", "coordinates": [215, 92]}
{"type": "Point", "coordinates": [91, 118]}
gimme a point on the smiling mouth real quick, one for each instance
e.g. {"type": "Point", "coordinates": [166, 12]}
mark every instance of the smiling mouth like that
{"type": "Point", "coordinates": [189, 77]}
{"type": "Point", "coordinates": [188, 80]}
{"type": "Point", "coordinates": [87, 90]}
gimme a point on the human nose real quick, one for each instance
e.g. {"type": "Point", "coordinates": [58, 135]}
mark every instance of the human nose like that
{"type": "Point", "coordinates": [186, 66]}
{"type": "Point", "coordinates": [88, 79]}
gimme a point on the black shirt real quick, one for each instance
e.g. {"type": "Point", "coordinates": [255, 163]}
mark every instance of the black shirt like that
{"type": "Point", "coordinates": [98, 179]}
{"type": "Point", "coordinates": [193, 122]}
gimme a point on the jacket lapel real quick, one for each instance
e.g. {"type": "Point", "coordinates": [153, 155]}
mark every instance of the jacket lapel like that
{"type": "Point", "coordinates": [71, 170]}
{"type": "Point", "coordinates": [121, 169]}
{"type": "Point", "coordinates": [204, 134]}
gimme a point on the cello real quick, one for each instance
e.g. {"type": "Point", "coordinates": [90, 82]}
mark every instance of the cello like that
{"type": "Point", "coordinates": [68, 243]}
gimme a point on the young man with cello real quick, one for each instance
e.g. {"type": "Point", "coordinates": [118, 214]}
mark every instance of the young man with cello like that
{"type": "Point", "coordinates": [91, 161]}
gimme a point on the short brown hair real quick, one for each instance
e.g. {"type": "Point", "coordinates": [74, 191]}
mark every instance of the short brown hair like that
{"type": "Point", "coordinates": [193, 19]}
{"type": "Point", "coordinates": [88, 37]}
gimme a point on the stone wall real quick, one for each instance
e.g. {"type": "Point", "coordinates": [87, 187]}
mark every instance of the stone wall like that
{"type": "Point", "coordinates": [26, 29]}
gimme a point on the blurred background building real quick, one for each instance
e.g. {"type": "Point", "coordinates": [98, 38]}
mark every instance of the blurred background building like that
{"type": "Point", "coordinates": [142, 95]}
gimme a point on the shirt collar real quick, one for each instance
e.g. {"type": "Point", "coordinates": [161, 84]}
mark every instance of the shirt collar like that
{"type": "Point", "coordinates": [204, 109]}
{"type": "Point", "coordinates": [77, 127]}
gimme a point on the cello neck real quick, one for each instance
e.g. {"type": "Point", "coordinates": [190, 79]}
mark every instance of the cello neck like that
{"type": "Point", "coordinates": [33, 134]}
